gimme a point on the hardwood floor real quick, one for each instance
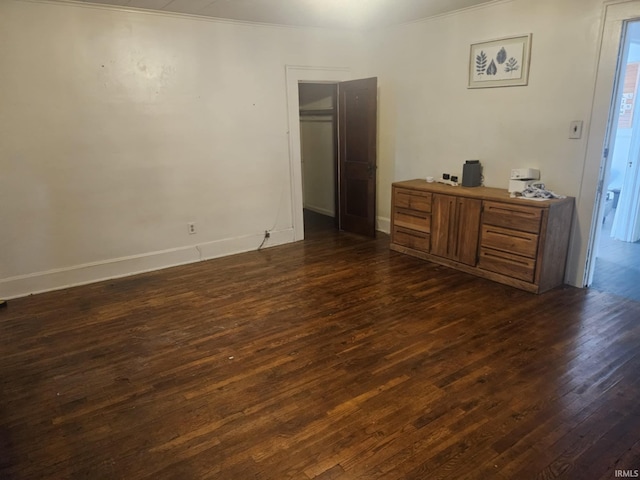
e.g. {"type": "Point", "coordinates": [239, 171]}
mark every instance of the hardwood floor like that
{"type": "Point", "coordinates": [331, 358]}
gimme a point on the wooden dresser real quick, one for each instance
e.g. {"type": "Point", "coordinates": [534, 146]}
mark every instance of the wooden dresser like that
{"type": "Point", "coordinates": [483, 231]}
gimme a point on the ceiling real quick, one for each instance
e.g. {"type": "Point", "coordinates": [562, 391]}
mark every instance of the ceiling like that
{"type": "Point", "coordinates": [354, 14]}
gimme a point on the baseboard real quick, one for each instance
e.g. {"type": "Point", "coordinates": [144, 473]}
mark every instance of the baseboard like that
{"type": "Point", "coordinates": [320, 210]}
{"type": "Point", "coordinates": [384, 225]}
{"type": "Point", "coordinates": [40, 282]}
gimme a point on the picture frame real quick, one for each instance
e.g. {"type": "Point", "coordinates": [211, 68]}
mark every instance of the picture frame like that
{"type": "Point", "coordinates": [500, 63]}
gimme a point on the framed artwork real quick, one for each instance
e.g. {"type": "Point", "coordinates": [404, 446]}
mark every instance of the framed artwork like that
{"type": "Point", "coordinates": [500, 63]}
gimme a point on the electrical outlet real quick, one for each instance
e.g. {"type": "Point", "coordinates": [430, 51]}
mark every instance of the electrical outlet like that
{"type": "Point", "coordinates": [191, 227]}
{"type": "Point", "coordinates": [575, 131]}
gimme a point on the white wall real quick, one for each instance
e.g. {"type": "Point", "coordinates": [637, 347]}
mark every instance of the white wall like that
{"type": "Point", "coordinates": [117, 128]}
{"type": "Point", "coordinates": [318, 150]}
{"type": "Point", "coordinates": [318, 157]}
{"type": "Point", "coordinates": [432, 123]}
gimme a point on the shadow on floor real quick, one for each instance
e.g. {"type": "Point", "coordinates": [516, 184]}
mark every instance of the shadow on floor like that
{"type": "Point", "coordinates": [318, 223]}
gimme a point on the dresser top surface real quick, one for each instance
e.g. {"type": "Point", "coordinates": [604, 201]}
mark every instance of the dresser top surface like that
{"type": "Point", "coordinates": [484, 193]}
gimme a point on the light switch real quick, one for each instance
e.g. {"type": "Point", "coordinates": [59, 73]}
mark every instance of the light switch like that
{"type": "Point", "coordinates": [576, 129]}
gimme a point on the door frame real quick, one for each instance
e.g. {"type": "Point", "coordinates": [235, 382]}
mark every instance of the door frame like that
{"type": "Point", "coordinates": [295, 74]}
{"type": "Point", "coordinates": [590, 203]}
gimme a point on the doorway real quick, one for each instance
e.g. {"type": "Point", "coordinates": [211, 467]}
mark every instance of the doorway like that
{"type": "Point", "coordinates": [616, 244]}
{"type": "Point", "coordinates": [356, 141]}
{"type": "Point", "coordinates": [319, 153]}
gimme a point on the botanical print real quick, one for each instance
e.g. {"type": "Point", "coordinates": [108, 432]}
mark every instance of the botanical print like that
{"type": "Point", "coordinates": [501, 61]}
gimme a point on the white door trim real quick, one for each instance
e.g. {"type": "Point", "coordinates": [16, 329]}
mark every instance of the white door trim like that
{"type": "Point", "coordinates": [294, 75]}
{"type": "Point", "coordinates": [588, 204]}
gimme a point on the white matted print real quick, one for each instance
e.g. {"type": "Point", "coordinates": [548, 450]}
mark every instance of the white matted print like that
{"type": "Point", "coordinates": [500, 63]}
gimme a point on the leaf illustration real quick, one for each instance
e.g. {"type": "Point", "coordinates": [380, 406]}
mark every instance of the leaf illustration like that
{"type": "Point", "coordinates": [492, 69]}
{"type": "Point", "coordinates": [512, 65]}
{"type": "Point", "coordinates": [502, 56]}
{"type": "Point", "coordinates": [481, 63]}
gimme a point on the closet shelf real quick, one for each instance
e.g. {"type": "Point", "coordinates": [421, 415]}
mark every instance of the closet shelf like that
{"type": "Point", "coordinates": [316, 112]}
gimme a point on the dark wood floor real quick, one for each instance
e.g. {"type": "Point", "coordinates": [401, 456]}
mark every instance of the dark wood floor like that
{"type": "Point", "coordinates": [331, 358]}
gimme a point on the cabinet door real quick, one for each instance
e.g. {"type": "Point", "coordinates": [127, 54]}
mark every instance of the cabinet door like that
{"type": "Point", "coordinates": [469, 211]}
{"type": "Point", "coordinates": [455, 225]}
{"type": "Point", "coordinates": [443, 210]}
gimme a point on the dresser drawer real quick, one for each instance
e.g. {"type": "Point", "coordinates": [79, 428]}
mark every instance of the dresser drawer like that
{"type": "Point", "coordinates": [411, 238]}
{"type": "Point", "coordinates": [514, 266]}
{"type": "Point", "coordinates": [510, 241]}
{"type": "Point", "coordinates": [518, 217]}
{"type": "Point", "coordinates": [413, 199]}
{"type": "Point", "coordinates": [412, 219]}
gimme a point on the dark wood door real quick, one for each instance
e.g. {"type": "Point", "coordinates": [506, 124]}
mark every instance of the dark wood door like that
{"type": "Point", "coordinates": [357, 130]}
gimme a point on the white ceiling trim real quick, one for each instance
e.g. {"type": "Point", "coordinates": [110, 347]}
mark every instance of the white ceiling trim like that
{"type": "Point", "coordinates": [279, 14]}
